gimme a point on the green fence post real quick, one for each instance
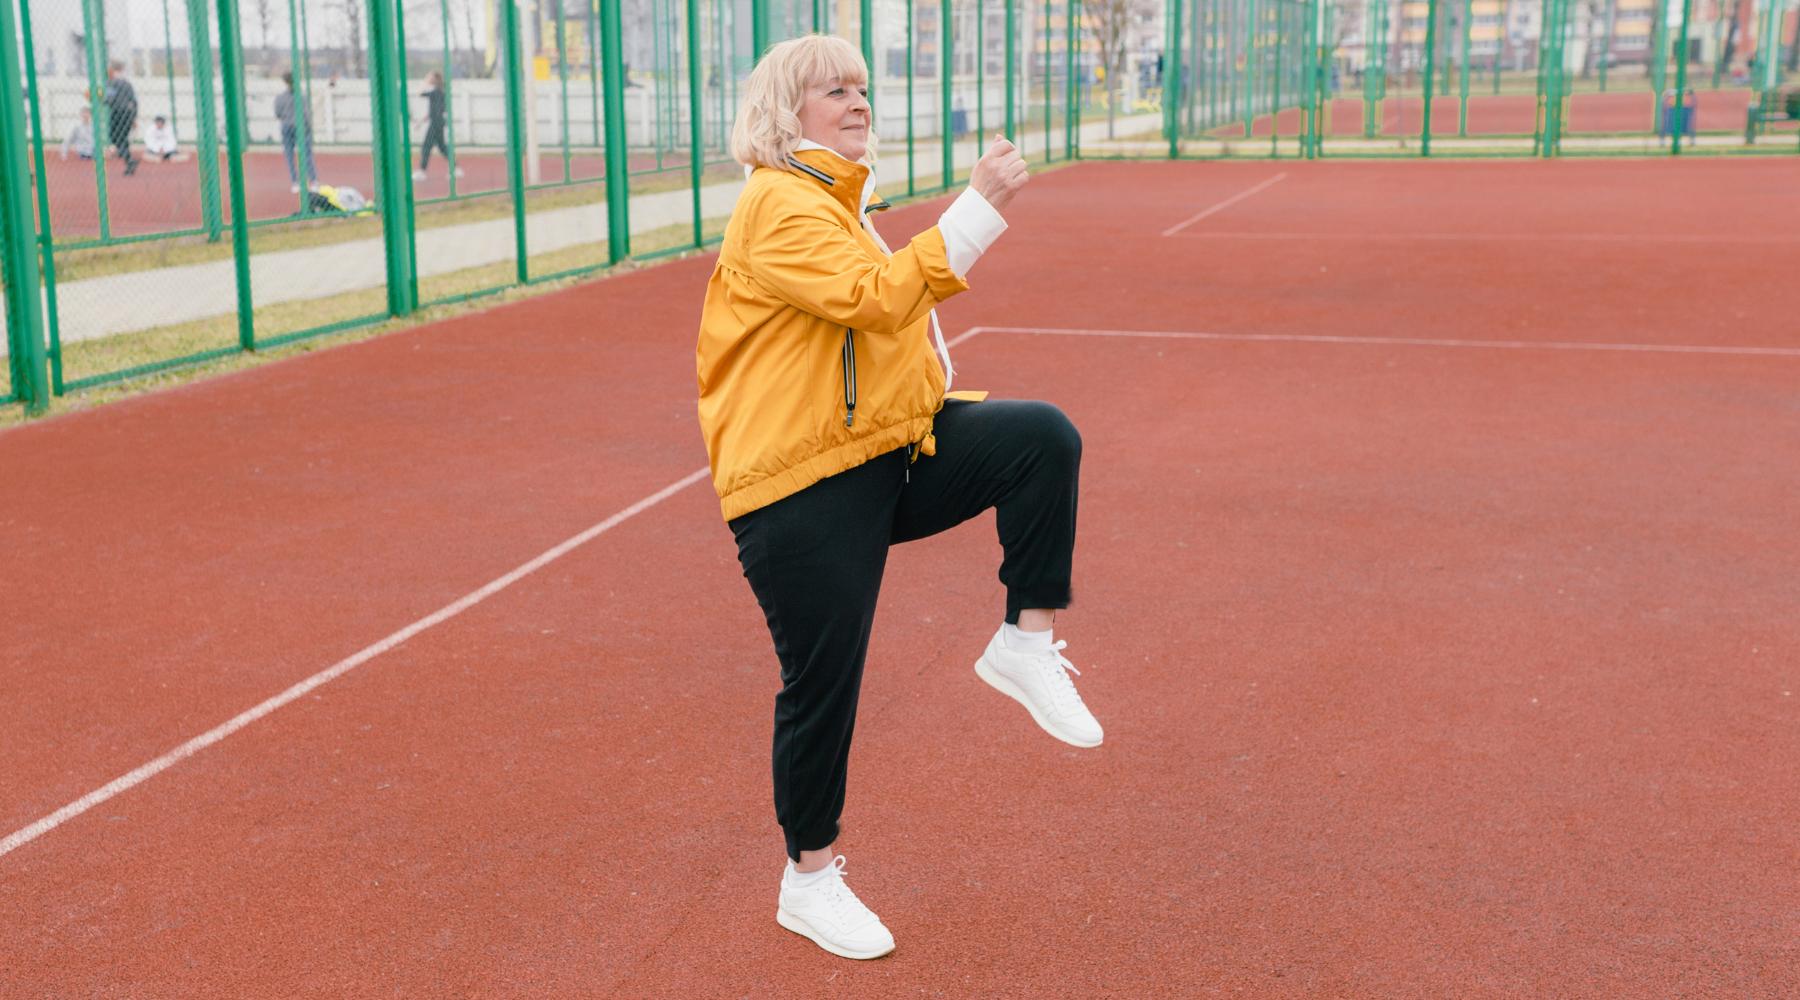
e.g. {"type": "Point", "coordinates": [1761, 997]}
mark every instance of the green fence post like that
{"type": "Point", "coordinates": [302, 107]}
{"type": "Point", "coordinates": [759, 29]}
{"type": "Point", "coordinates": [511, 56]}
{"type": "Point", "coordinates": [206, 122]}
{"type": "Point", "coordinates": [562, 72]}
{"type": "Point", "coordinates": [618, 207]}
{"type": "Point", "coordinates": [231, 68]}
{"type": "Point", "coordinates": [168, 67]}
{"type": "Point", "coordinates": [911, 58]}
{"type": "Point", "coordinates": [449, 98]}
{"type": "Point", "coordinates": [980, 75]}
{"type": "Point", "coordinates": [388, 113]}
{"type": "Point", "coordinates": [1049, 102]}
{"type": "Point", "coordinates": [94, 15]}
{"type": "Point", "coordinates": [1681, 73]}
{"type": "Point", "coordinates": [696, 108]}
{"type": "Point", "coordinates": [24, 315]}
{"type": "Point", "coordinates": [1172, 78]}
{"type": "Point", "coordinates": [1462, 72]}
{"type": "Point", "coordinates": [947, 61]}
{"type": "Point", "coordinates": [1012, 67]}
{"type": "Point", "coordinates": [1275, 83]}
{"type": "Point", "coordinates": [1250, 70]}
{"type": "Point", "coordinates": [866, 14]}
{"type": "Point", "coordinates": [1431, 20]}
{"type": "Point", "coordinates": [1768, 49]}
{"type": "Point", "coordinates": [1606, 41]}
{"type": "Point", "coordinates": [1071, 96]}
{"type": "Point", "coordinates": [45, 237]}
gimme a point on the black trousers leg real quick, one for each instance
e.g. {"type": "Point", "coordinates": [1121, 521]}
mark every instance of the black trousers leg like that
{"type": "Point", "coordinates": [814, 561]}
{"type": "Point", "coordinates": [1020, 457]}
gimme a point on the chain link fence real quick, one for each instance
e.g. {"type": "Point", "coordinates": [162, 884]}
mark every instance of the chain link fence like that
{"type": "Point", "coordinates": [187, 179]}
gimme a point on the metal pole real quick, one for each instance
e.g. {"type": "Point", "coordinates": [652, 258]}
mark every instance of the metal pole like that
{"type": "Point", "coordinates": [1606, 41]}
{"type": "Point", "coordinates": [1072, 98]}
{"type": "Point", "coordinates": [911, 57]}
{"type": "Point", "coordinates": [1050, 150]}
{"type": "Point", "coordinates": [24, 317]}
{"type": "Point", "coordinates": [759, 30]}
{"type": "Point", "coordinates": [206, 124]}
{"type": "Point", "coordinates": [1462, 73]}
{"type": "Point", "coordinates": [1275, 85]}
{"type": "Point", "coordinates": [512, 54]}
{"type": "Point", "coordinates": [1171, 82]}
{"type": "Point", "coordinates": [1681, 73]}
{"type": "Point", "coordinates": [980, 73]}
{"type": "Point", "coordinates": [45, 238]}
{"type": "Point", "coordinates": [449, 99]}
{"type": "Point", "coordinates": [231, 67]}
{"type": "Point", "coordinates": [618, 206]}
{"type": "Point", "coordinates": [1012, 67]}
{"type": "Point", "coordinates": [947, 60]}
{"type": "Point", "coordinates": [168, 67]}
{"type": "Point", "coordinates": [1431, 19]}
{"type": "Point", "coordinates": [1250, 70]}
{"type": "Point", "coordinates": [562, 72]}
{"type": "Point", "coordinates": [696, 128]}
{"type": "Point", "coordinates": [94, 14]}
{"type": "Point", "coordinates": [387, 108]}
{"type": "Point", "coordinates": [302, 110]}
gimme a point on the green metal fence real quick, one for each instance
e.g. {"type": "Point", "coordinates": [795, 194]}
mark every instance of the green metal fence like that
{"type": "Point", "coordinates": [338, 162]}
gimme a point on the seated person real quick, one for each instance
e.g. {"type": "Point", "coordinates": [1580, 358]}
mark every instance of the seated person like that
{"type": "Point", "coordinates": [159, 140]}
{"type": "Point", "coordinates": [80, 139]}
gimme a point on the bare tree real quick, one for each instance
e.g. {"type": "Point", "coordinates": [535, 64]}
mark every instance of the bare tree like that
{"type": "Point", "coordinates": [264, 14]}
{"type": "Point", "coordinates": [351, 23]}
{"type": "Point", "coordinates": [1110, 23]}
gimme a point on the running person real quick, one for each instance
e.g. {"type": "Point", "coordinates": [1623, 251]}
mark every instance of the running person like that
{"type": "Point", "coordinates": [830, 439]}
{"type": "Point", "coordinates": [437, 115]}
{"type": "Point", "coordinates": [121, 103]}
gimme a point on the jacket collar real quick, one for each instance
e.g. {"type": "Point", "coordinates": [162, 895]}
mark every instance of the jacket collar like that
{"type": "Point", "coordinates": [850, 184]}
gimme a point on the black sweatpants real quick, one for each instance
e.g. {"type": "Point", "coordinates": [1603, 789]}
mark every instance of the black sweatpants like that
{"type": "Point", "coordinates": [434, 137]}
{"type": "Point", "coordinates": [815, 559]}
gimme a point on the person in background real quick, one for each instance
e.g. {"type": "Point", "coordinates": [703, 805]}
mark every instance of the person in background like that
{"type": "Point", "coordinates": [80, 139]}
{"type": "Point", "coordinates": [121, 111]}
{"type": "Point", "coordinates": [437, 116]}
{"type": "Point", "coordinates": [159, 140]}
{"type": "Point", "coordinates": [287, 113]}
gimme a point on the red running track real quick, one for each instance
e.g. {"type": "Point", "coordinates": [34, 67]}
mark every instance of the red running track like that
{"type": "Point", "coordinates": [1617, 112]}
{"type": "Point", "coordinates": [1450, 668]}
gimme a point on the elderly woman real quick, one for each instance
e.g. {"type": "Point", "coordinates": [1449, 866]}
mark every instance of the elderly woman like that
{"type": "Point", "coordinates": [823, 399]}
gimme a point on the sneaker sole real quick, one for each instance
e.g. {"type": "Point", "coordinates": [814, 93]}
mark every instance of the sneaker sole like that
{"type": "Point", "coordinates": [1011, 690]}
{"type": "Point", "coordinates": [802, 928]}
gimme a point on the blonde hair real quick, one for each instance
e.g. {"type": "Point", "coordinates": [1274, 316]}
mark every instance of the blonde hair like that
{"type": "Point", "coordinates": [768, 122]}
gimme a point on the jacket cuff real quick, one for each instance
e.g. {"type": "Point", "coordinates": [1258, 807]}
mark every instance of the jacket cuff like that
{"type": "Point", "coordinates": [934, 263]}
{"type": "Point", "coordinates": [970, 225]}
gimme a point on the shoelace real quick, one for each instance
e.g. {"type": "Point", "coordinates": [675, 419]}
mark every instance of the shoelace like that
{"type": "Point", "coordinates": [844, 904]}
{"type": "Point", "coordinates": [1056, 672]}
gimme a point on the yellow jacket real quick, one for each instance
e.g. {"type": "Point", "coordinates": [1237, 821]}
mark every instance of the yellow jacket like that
{"type": "Point", "coordinates": [814, 352]}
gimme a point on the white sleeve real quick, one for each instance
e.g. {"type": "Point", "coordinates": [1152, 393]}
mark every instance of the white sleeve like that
{"type": "Point", "coordinates": [970, 225]}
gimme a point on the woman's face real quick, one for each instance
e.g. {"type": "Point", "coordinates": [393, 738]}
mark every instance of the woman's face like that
{"type": "Point", "coordinates": [835, 114]}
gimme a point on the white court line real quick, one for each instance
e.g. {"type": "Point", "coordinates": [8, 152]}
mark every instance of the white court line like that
{"type": "Point", "coordinates": [1304, 338]}
{"type": "Point", "coordinates": [1221, 206]}
{"type": "Point", "coordinates": [1213, 234]}
{"type": "Point", "coordinates": [147, 771]}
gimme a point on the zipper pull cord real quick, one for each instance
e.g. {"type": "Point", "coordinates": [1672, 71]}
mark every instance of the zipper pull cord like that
{"type": "Point", "coordinates": [849, 380]}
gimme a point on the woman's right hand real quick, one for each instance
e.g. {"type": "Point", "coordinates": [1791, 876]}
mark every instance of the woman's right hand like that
{"type": "Point", "coordinates": [1000, 174]}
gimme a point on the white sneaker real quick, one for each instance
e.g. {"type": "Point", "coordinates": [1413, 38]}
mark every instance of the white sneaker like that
{"type": "Point", "coordinates": [830, 914]}
{"type": "Point", "coordinates": [418, 175]}
{"type": "Point", "coordinates": [1040, 681]}
{"type": "Point", "coordinates": [458, 171]}
{"type": "Point", "coordinates": [293, 189]}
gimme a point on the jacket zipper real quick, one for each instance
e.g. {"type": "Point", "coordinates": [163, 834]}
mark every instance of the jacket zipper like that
{"type": "Point", "coordinates": [849, 379]}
